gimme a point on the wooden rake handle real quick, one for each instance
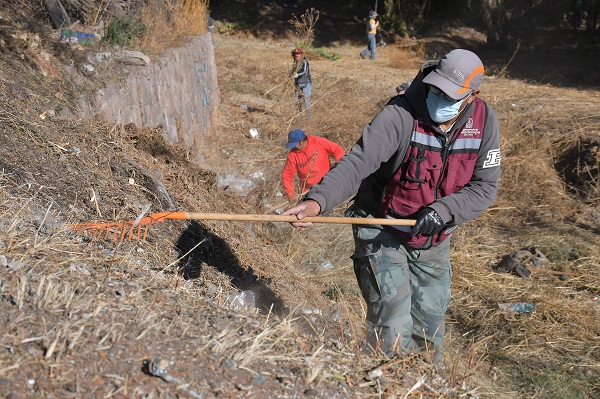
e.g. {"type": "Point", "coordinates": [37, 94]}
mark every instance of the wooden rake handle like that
{"type": "Point", "coordinates": [139, 228]}
{"type": "Point", "coordinates": [161, 216]}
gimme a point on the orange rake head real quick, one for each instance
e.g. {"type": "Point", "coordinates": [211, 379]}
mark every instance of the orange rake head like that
{"type": "Point", "coordinates": [118, 231]}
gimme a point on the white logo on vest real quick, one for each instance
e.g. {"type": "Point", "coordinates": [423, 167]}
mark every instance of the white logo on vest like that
{"type": "Point", "coordinates": [493, 159]}
{"type": "Point", "coordinates": [468, 130]}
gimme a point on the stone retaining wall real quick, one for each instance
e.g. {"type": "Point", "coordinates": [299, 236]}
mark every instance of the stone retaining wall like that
{"type": "Point", "coordinates": [179, 91]}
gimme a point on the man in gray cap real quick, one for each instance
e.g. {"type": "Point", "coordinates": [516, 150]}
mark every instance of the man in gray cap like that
{"type": "Point", "coordinates": [433, 155]}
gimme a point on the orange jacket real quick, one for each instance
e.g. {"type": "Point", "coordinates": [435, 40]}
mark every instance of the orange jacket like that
{"type": "Point", "coordinates": [310, 164]}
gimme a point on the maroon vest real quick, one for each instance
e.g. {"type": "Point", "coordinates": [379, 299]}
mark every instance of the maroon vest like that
{"type": "Point", "coordinates": [432, 169]}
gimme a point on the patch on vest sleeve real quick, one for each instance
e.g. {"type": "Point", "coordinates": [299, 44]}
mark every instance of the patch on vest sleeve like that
{"type": "Point", "coordinates": [493, 159]}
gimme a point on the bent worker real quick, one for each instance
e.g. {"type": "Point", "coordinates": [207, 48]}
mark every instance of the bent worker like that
{"type": "Point", "coordinates": [432, 154]}
{"type": "Point", "coordinates": [309, 159]}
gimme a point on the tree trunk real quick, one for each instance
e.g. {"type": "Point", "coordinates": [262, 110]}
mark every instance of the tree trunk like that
{"type": "Point", "coordinates": [591, 20]}
{"type": "Point", "coordinates": [494, 19]}
{"type": "Point", "coordinates": [58, 14]}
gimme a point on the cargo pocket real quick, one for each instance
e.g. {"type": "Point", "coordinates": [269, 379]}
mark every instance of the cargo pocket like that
{"type": "Point", "coordinates": [365, 277]}
{"type": "Point", "coordinates": [459, 175]}
{"type": "Point", "coordinates": [380, 274]}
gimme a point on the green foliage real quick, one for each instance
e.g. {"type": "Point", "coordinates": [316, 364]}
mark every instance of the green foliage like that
{"type": "Point", "coordinates": [402, 17]}
{"type": "Point", "coordinates": [334, 292]}
{"type": "Point", "coordinates": [335, 56]}
{"type": "Point", "coordinates": [225, 27]}
{"type": "Point", "coordinates": [308, 48]}
{"type": "Point", "coordinates": [558, 384]}
{"type": "Point", "coordinates": [558, 251]}
{"type": "Point", "coordinates": [124, 32]}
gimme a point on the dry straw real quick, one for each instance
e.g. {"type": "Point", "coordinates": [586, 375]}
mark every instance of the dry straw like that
{"type": "Point", "coordinates": [171, 22]}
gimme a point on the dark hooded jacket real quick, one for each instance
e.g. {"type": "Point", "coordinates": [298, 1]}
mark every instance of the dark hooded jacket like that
{"type": "Point", "coordinates": [375, 157]}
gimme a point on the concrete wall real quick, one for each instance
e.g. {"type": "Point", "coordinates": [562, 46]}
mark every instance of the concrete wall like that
{"type": "Point", "coordinates": [179, 91]}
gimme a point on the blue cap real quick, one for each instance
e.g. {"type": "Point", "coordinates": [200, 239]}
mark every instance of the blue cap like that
{"type": "Point", "coordinates": [295, 136]}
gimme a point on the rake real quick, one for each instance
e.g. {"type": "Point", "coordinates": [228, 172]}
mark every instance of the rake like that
{"type": "Point", "coordinates": [119, 231]}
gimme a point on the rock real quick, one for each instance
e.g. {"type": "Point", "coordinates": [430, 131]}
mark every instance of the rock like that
{"type": "Point", "coordinates": [517, 262]}
{"type": "Point", "coordinates": [130, 57]}
{"type": "Point", "coordinates": [16, 265]}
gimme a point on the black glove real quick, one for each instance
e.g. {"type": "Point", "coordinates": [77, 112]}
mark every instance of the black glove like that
{"type": "Point", "coordinates": [428, 223]}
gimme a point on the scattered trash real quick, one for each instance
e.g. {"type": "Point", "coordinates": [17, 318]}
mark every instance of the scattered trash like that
{"type": "Point", "coordinates": [308, 311]}
{"type": "Point", "coordinates": [16, 265]}
{"type": "Point", "coordinates": [335, 343]}
{"type": "Point", "coordinates": [334, 313]}
{"type": "Point", "coordinates": [243, 300]}
{"type": "Point", "coordinates": [403, 87]}
{"type": "Point", "coordinates": [158, 368]}
{"type": "Point", "coordinates": [234, 182]}
{"type": "Point", "coordinates": [73, 36]}
{"type": "Point", "coordinates": [107, 252]}
{"type": "Point", "coordinates": [258, 379]}
{"type": "Point", "coordinates": [100, 57]}
{"type": "Point", "coordinates": [326, 265]}
{"type": "Point", "coordinates": [519, 307]}
{"type": "Point", "coordinates": [88, 68]}
{"type": "Point", "coordinates": [254, 133]}
{"type": "Point", "coordinates": [278, 206]}
{"type": "Point", "coordinates": [79, 268]}
{"type": "Point", "coordinates": [517, 262]}
{"type": "Point", "coordinates": [211, 290]}
{"type": "Point", "coordinates": [257, 175]}
{"type": "Point", "coordinates": [230, 364]}
{"type": "Point", "coordinates": [374, 374]}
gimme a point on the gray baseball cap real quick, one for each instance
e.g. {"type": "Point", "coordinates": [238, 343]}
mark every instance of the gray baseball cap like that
{"type": "Point", "coordinates": [458, 74]}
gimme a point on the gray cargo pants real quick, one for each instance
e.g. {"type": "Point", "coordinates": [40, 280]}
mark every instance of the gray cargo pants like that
{"type": "Point", "coordinates": [407, 291]}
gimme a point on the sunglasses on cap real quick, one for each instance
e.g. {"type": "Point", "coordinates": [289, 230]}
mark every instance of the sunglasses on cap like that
{"type": "Point", "coordinates": [435, 90]}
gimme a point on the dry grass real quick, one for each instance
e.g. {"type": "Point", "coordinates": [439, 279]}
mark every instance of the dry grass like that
{"type": "Point", "coordinates": [304, 26]}
{"type": "Point", "coordinates": [534, 207]}
{"type": "Point", "coordinates": [171, 22]}
{"type": "Point", "coordinates": [81, 317]}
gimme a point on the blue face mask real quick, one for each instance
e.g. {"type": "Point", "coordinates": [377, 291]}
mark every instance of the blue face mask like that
{"type": "Point", "coordinates": [441, 110]}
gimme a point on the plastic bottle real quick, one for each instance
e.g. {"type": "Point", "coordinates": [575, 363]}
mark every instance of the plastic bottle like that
{"type": "Point", "coordinates": [519, 307]}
